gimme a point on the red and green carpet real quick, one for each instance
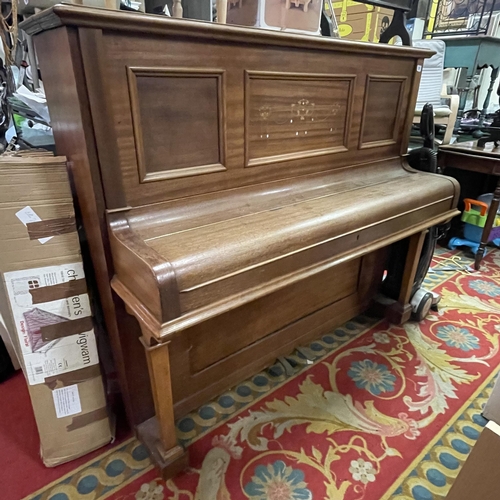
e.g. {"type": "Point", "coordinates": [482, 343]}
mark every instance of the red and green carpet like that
{"type": "Point", "coordinates": [380, 412]}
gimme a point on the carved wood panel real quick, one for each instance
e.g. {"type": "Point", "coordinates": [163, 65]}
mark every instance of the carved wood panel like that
{"type": "Point", "coordinates": [295, 115]}
{"type": "Point", "coordinates": [381, 120]}
{"type": "Point", "coordinates": [178, 120]}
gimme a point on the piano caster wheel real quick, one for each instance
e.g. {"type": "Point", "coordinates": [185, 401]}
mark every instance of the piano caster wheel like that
{"type": "Point", "coordinates": [421, 303]}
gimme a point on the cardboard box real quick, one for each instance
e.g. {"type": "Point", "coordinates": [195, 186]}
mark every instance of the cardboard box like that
{"type": "Point", "coordinates": [46, 308]}
{"type": "Point", "coordinates": [361, 22]}
{"type": "Point", "coordinates": [479, 477]}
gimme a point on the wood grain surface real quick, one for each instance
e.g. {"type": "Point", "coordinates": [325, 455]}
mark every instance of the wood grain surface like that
{"type": "Point", "coordinates": [239, 189]}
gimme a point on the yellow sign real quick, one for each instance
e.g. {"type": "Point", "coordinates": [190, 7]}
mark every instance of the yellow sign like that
{"type": "Point", "coordinates": [344, 30]}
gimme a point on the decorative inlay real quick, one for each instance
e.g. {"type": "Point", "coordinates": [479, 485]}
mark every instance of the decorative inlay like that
{"type": "Point", "coordinates": [293, 115]}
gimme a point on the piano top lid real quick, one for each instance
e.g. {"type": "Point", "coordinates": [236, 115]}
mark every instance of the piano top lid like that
{"type": "Point", "coordinates": [89, 17]}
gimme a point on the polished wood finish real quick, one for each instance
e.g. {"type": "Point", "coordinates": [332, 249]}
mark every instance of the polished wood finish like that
{"type": "Point", "coordinates": [168, 155]}
{"type": "Point", "coordinates": [159, 373]}
{"type": "Point", "coordinates": [485, 160]}
{"type": "Point", "coordinates": [282, 126]}
{"type": "Point", "coordinates": [269, 313]}
{"type": "Point", "coordinates": [383, 101]}
{"type": "Point", "coordinates": [243, 185]}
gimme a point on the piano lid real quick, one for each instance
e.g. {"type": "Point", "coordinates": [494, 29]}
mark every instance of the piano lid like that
{"type": "Point", "coordinates": [88, 17]}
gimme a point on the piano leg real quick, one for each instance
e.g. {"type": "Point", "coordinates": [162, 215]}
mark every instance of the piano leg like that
{"type": "Point", "coordinates": [158, 433]}
{"type": "Point", "coordinates": [400, 311]}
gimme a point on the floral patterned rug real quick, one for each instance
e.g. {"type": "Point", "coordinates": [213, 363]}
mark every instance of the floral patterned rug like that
{"type": "Point", "coordinates": [370, 411]}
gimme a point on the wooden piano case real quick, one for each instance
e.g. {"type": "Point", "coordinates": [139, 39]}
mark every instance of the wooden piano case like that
{"type": "Point", "coordinates": [238, 189]}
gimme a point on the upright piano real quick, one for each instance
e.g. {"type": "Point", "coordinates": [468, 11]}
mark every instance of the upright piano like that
{"type": "Point", "coordinates": [238, 188]}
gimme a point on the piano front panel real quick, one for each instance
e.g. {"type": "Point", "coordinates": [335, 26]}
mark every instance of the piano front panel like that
{"type": "Point", "coordinates": [191, 116]}
{"type": "Point", "coordinates": [237, 329]}
{"type": "Point", "coordinates": [294, 115]}
{"type": "Point", "coordinates": [382, 119]}
{"type": "Point", "coordinates": [169, 105]}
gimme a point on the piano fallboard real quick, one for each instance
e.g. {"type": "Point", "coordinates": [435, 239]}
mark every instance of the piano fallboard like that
{"type": "Point", "coordinates": [242, 244]}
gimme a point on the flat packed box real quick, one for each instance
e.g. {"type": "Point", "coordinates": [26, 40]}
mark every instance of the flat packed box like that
{"type": "Point", "coordinates": [45, 307]}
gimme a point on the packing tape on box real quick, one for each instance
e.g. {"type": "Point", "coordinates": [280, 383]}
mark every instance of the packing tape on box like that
{"type": "Point", "coordinates": [66, 290]}
{"type": "Point", "coordinates": [66, 328]}
{"type": "Point", "coordinates": [74, 377]}
{"type": "Point", "coordinates": [70, 381]}
{"type": "Point", "coordinates": [51, 227]}
{"type": "Point", "coordinates": [80, 421]}
{"type": "Point", "coordinates": [57, 292]}
{"type": "Point", "coordinates": [53, 320]}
